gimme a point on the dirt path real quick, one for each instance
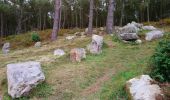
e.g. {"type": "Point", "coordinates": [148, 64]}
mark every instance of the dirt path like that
{"type": "Point", "coordinates": [99, 82]}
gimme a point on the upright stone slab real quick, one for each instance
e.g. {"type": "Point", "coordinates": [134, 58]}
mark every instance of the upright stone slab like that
{"type": "Point", "coordinates": [143, 88]}
{"type": "Point", "coordinates": [77, 54]}
{"type": "Point", "coordinates": [95, 47]}
{"type": "Point", "coordinates": [6, 48]}
{"type": "Point", "coordinates": [23, 77]}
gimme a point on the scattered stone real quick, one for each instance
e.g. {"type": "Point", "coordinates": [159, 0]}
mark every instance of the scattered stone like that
{"type": "Point", "coordinates": [150, 28]}
{"type": "Point", "coordinates": [6, 48]}
{"type": "Point", "coordinates": [143, 88]}
{"type": "Point", "coordinates": [86, 30]}
{"type": "Point", "coordinates": [70, 37]}
{"type": "Point", "coordinates": [77, 34]}
{"type": "Point", "coordinates": [37, 44]}
{"type": "Point", "coordinates": [94, 31]}
{"type": "Point", "coordinates": [23, 77]}
{"type": "Point", "coordinates": [95, 47]}
{"type": "Point", "coordinates": [59, 52]}
{"type": "Point", "coordinates": [156, 34]}
{"type": "Point", "coordinates": [82, 33]}
{"type": "Point", "coordinates": [138, 41]}
{"type": "Point", "coordinates": [129, 36]}
{"type": "Point", "coordinates": [77, 54]}
{"type": "Point", "coordinates": [101, 28]}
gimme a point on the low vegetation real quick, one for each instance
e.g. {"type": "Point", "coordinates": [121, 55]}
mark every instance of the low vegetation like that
{"type": "Point", "coordinates": [160, 62]}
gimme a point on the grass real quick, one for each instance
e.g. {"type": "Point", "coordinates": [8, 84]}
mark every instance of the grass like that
{"type": "Point", "coordinates": [66, 80]}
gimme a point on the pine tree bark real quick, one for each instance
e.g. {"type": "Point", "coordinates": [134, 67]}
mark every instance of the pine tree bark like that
{"type": "Point", "coordinates": [2, 28]}
{"type": "Point", "coordinates": [56, 20]}
{"type": "Point", "coordinates": [19, 22]}
{"type": "Point", "coordinates": [90, 26]}
{"type": "Point", "coordinates": [110, 21]}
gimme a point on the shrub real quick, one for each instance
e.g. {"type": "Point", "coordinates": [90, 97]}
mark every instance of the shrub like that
{"type": "Point", "coordinates": [35, 37]}
{"type": "Point", "coordinates": [160, 62]}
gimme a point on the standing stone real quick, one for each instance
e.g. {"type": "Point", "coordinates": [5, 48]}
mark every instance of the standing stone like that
{"type": "Point", "coordinates": [59, 52]}
{"type": "Point", "coordinates": [23, 77]}
{"type": "Point", "coordinates": [37, 44]}
{"type": "Point", "coordinates": [143, 88]}
{"type": "Point", "coordinates": [95, 47]}
{"type": "Point", "coordinates": [154, 35]}
{"type": "Point", "coordinates": [77, 54]}
{"type": "Point", "coordinates": [6, 48]}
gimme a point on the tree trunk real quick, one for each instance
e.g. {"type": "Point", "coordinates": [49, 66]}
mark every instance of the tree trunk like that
{"type": "Point", "coordinates": [2, 25]}
{"type": "Point", "coordinates": [56, 20]}
{"type": "Point", "coordinates": [109, 23]}
{"type": "Point", "coordinates": [122, 13]}
{"type": "Point", "coordinates": [19, 22]}
{"type": "Point", "coordinates": [148, 10]}
{"type": "Point", "coordinates": [90, 26]}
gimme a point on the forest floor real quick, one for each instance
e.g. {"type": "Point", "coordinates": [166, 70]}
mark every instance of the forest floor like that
{"type": "Point", "coordinates": [98, 77]}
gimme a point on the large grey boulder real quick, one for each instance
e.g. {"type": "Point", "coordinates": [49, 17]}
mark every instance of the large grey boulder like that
{"type": "Point", "coordinates": [23, 77]}
{"type": "Point", "coordinates": [129, 36]}
{"type": "Point", "coordinates": [77, 54]}
{"type": "Point", "coordinates": [6, 48]}
{"type": "Point", "coordinates": [37, 44]}
{"type": "Point", "coordinates": [59, 52]}
{"type": "Point", "coordinates": [129, 28]}
{"type": "Point", "coordinates": [150, 28]}
{"type": "Point", "coordinates": [138, 25]}
{"type": "Point", "coordinates": [95, 47]}
{"type": "Point", "coordinates": [156, 34]}
{"type": "Point", "coordinates": [143, 88]}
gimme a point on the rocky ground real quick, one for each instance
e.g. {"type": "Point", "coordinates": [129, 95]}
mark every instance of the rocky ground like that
{"type": "Point", "coordinates": [96, 77]}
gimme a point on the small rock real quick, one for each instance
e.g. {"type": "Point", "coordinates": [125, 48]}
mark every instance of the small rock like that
{"type": "Point", "coordinates": [101, 28]}
{"type": "Point", "coordinates": [77, 34]}
{"type": "Point", "coordinates": [37, 44]}
{"type": "Point", "coordinates": [138, 41]}
{"type": "Point", "coordinates": [143, 88]}
{"type": "Point", "coordinates": [95, 47]}
{"type": "Point", "coordinates": [156, 34]}
{"type": "Point", "coordinates": [59, 52]}
{"type": "Point", "coordinates": [150, 28]}
{"type": "Point", "coordinates": [86, 30]}
{"type": "Point", "coordinates": [70, 37]}
{"type": "Point", "coordinates": [129, 36]}
{"type": "Point", "coordinates": [6, 48]}
{"type": "Point", "coordinates": [94, 31]}
{"type": "Point", "coordinates": [77, 54]}
{"type": "Point", "coordinates": [23, 77]}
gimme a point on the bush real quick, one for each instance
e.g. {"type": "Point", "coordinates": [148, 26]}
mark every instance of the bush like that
{"type": "Point", "coordinates": [35, 37]}
{"type": "Point", "coordinates": [160, 62]}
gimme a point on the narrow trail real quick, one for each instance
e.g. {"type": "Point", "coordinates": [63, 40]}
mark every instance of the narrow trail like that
{"type": "Point", "coordinates": [99, 82]}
